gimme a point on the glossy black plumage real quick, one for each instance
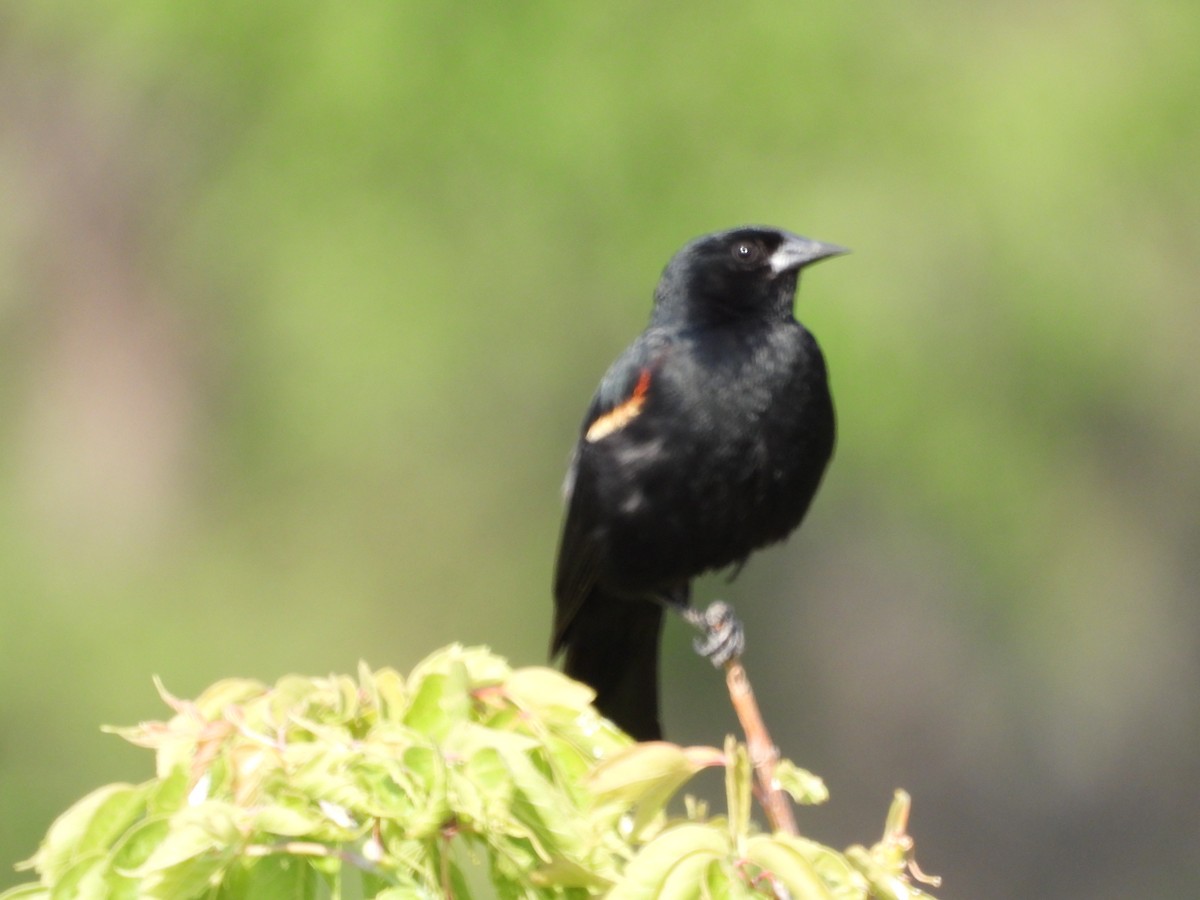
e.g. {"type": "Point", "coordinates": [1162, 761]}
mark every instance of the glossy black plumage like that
{"type": "Point", "coordinates": [706, 440]}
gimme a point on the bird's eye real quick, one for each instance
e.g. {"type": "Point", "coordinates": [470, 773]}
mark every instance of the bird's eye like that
{"type": "Point", "coordinates": [747, 252]}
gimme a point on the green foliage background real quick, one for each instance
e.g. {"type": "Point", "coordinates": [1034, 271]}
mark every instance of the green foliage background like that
{"type": "Point", "coordinates": [300, 305]}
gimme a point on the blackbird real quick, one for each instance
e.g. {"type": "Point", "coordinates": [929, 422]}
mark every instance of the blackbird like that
{"type": "Point", "coordinates": [705, 441]}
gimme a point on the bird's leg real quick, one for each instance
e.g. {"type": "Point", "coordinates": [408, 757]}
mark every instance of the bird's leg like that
{"type": "Point", "coordinates": [722, 637]}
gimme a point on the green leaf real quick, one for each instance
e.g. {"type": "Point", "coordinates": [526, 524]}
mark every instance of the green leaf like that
{"type": "Point", "coordinates": [567, 873]}
{"type": "Point", "coordinates": [346, 689]}
{"type": "Point", "coordinates": [199, 843]}
{"type": "Point", "coordinates": [803, 786]}
{"type": "Point", "coordinates": [393, 694]}
{"type": "Point", "coordinates": [542, 689]}
{"type": "Point", "coordinates": [194, 877]}
{"type": "Point", "coordinates": [113, 818]}
{"type": "Point", "coordinates": [193, 832]}
{"type": "Point", "coordinates": [481, 790]}
{"type": "Point", "coordinates": [469, 738]}
{"type": "Point", "coordinates": [169, 793]}
{"type": "Point", "coordinates": [722, 880]}
{"type": "Point", "coordinates": [286, 821]}
{"type": "Point", "coordinates": [840, 877]}
{"type": "Point", "coordinates": [94, 822]}
{"type": "Point", "coordinates": [276, 877]}
{"type": "Point", "coordinates": [137, 846]}
{"type": "Point", "coordinates": [428, 769]}
{"type": "Point", "coordinates": [480, 664]}
{"type": "Point", "coordinates": [684, 877]}
{"type": "Point", "coordinates": [551, 825]}
{"type": "Point", "coordinates": [84, 880]}
{"type": "Point", "coordinates": [442, 700]}
{"type": "Point", "coordinates": [645, 776]}
{"type": "Point", "coordinates": [382, 788]}
{"type": "Point", "coordinates": [291, 697]}
{"type": "Point", "coordinates": [226, 693]}
{"type": "Point", "coordinates": [739, 779]}
{"type": "Point", "coordinates": [674, 863]}
{"type": "Point", "coordinates": [786, 864]}
{"type": "Point", "coordinates": [385, 691]}
{"type": "Point", "coordinates": [538, 808]}
{"type": "Point", "coordinates": [897, 817]}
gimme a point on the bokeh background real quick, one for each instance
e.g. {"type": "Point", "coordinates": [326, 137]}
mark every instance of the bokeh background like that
{"type": "Point", "coordinates": [300, 306]}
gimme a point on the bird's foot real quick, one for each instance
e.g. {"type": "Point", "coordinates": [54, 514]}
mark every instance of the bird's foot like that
{"type": "Point", "coordinates": [722, 636]}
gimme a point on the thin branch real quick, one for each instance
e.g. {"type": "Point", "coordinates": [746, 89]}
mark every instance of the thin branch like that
{"type": "Point", "coordinates": [763, 753]}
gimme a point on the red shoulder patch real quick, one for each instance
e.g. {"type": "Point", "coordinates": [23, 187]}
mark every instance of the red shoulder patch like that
{"type": "Point", "coordinates": [623, 413]}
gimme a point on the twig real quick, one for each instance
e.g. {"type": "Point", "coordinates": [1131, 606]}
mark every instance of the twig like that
{"type": "Point", "coordinates": [721, 642]}
{"type": "Point", "coordinates": [763, 753]}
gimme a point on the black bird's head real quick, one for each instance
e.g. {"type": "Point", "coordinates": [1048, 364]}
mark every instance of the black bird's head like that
{"type": "Point", "coordinates": [743, 273]}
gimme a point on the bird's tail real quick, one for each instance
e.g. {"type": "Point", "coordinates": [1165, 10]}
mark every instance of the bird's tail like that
{"type": "Point", "coordinates": [613, 647]}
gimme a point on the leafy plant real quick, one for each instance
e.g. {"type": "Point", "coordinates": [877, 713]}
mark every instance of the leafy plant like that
{"type": "Point", "coordinates": [466, 772]}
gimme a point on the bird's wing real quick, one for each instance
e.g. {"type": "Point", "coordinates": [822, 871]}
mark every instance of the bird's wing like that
{"type": "Point", "coordinates": [580, 553]}
{"type": "Point", "coordinates": [621, 398]}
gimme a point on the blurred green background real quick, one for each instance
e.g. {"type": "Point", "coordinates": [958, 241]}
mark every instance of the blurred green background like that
{"type": "Point", "coordinates": [301, 304]}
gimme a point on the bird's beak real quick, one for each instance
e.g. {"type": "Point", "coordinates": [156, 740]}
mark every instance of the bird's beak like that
{"type": "Point", "coordinates": [797, 252]}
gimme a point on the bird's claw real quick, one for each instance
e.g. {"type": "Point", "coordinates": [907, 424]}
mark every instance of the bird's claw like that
{"type": "Point", "coordinates": [722, 636]}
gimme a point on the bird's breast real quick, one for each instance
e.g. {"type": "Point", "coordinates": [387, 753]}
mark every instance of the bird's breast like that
{"type": "Point", "coordinates": [723, 458]}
